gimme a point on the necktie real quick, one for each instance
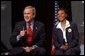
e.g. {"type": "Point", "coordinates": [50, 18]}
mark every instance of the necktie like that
{"type": "Point", "coordinates": [29, 34]}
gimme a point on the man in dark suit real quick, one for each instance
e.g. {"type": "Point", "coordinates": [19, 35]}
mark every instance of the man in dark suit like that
{"type": "Point", "coordinates": [29, 35]}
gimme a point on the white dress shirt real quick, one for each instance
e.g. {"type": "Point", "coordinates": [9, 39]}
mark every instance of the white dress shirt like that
{"type": "Point", "coordinates": [64, 31]}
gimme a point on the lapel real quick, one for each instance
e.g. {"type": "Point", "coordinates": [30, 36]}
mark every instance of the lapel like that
{"type": "Point", "coordinates": [69, 33]}
{"type": "Point", "coordinates": [34, 30]}
{"type": "Point", "coordinates": [24, 24]}
{"type": "Point", "coordinates": [60, 35]}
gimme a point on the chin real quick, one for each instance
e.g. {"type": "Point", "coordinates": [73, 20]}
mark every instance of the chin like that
{"type": "Point", "coordinates": [60, 20]}
{"type": "Point", "coordinates": [27, 20]}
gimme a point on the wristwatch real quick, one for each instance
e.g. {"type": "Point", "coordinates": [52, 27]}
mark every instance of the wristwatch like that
{"type": "Point", "coordinates": [34, 46]}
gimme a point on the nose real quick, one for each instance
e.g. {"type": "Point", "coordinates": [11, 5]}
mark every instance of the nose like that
{"type": "Point", "coordinates": [59, 15]}
{"type": "Point", "coordinates": [25, 15]}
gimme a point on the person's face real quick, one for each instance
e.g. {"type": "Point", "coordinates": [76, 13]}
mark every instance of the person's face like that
{"type": "Point", "coordinates": [28, 15]}
{"type": "Point", "coordinates": [61, 15]}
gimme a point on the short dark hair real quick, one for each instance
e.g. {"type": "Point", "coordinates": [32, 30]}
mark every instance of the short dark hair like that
{"type": "Point", "coordinates": [65, 10]}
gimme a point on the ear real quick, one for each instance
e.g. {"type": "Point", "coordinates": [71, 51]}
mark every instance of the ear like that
{"type": "Point", "coordinates": [66, 15]}
{"type": "Point", "coordinates": [33, 16]}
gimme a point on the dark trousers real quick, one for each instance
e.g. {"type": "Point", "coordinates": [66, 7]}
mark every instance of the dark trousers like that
{"type": "Point", "coordinates": [20, 51]}
{"type": "Point", "coordinates": [70, 51]}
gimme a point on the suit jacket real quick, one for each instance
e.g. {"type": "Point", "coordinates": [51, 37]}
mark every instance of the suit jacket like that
{"type": "Point", "coordinates": [38, 34]}
{"type": "Point", "coordinates": [72, 36]}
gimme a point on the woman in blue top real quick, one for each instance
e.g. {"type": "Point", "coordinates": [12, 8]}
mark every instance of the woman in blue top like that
{"type": "Point", "coordinates": [66, 35]}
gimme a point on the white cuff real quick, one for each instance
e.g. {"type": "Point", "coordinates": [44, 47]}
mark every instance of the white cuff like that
{"type": "Point", "coordinates": [34, 46]}
{"type": "Point", "coordinates": [18, 38]}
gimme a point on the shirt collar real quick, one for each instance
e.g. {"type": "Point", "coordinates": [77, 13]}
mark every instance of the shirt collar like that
{"type": "Point", "coordinates": [67, 24]}
{"type": "Point", "coordinates": [32, 22]}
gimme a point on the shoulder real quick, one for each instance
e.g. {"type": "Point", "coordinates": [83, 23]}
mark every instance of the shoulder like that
{"type": "Point", "coordinates": [73, 24]}
{"type": "Point", "coordinates": [39, 23]}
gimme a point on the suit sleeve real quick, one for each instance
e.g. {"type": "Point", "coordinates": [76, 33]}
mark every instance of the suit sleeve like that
{"type": "Point", "coordinates": [56, 43]}
{"type": "Point", "coordinates": [13, 38]}
{"type": "Point", "coordinates": [75, 36]}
